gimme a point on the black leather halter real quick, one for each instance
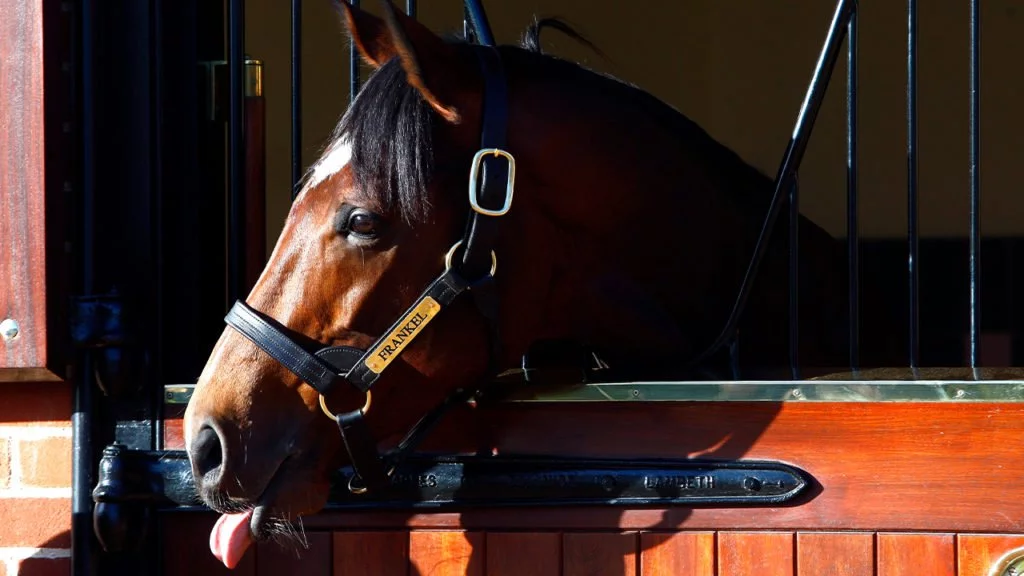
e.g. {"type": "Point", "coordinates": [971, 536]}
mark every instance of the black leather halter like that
{"type": "Point", "coordinates": [494, 169]}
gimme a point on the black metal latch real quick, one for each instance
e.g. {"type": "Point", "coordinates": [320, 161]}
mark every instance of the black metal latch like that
{"type": "Point", "coordinates": [134, 482]}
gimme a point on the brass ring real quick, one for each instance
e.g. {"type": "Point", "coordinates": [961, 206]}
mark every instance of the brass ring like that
{"type": "Point", "coordinates": [353, 489]}
{"type": "Point", "coordinates": [451, 253]}
{"type": "Point", "coordinates": [332, 416]}
{"type": "Point", "coordinates": [363, 489]}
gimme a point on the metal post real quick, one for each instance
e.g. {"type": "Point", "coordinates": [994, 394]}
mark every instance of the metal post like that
{"type": "Point", "coordinates": [236, 151]}
{"type": "Point", "coordinates": [296, 95]}
{"type": "Point", "coordinates": [975, 210]}
{"type": "Point", "coordinates": [478, 18]}
{"type": "Point", "coordinates": [794, 279]}
{"type": "Point", "coordinates": [852, 208]}
{"type": "Point", "coordinates": [353, 66]}
{"type": "Point", "coordinates": [912, 231]}
{"type": "Point", "coordinates": [83, 473]}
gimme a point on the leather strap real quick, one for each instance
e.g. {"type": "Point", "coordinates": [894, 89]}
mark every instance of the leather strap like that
{"type": "Point", "coordinates": [482, 230]}
{"type": "Point", "coordinates": [362, 449]}
{"type": "Point", "coordinates": [280, 347]}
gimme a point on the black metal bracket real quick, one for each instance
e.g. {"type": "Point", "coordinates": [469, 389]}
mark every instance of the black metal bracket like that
{"type": "Point", "coordinates": [98, 325]}
{"type": "Point", "coordinates": [133, 483]}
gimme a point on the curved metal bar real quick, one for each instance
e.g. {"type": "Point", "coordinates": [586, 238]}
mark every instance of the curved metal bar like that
{"type": "Point", "coordinates": [790, 163]}
{"type": "Point", "coordinates": [478, 18]}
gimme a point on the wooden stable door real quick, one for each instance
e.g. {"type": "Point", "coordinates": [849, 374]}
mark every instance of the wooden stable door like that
{"type": "Point", "coordinates": [900, 488]}
{"type": "Point", "coordinates": [627, 553]}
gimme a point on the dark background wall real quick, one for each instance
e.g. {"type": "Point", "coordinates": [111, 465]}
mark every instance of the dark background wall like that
{"type": "Point", "coordinates": [739, 69]}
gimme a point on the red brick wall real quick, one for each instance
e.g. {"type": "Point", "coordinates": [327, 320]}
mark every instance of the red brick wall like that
{"type": "Point", "coordinates": [35, 479]}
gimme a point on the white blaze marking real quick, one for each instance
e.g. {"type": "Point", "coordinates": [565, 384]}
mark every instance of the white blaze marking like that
{"type": "Point", "coordinates": [339, 155]}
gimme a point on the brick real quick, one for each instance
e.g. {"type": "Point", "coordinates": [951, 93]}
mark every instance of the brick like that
{"type": "Point", "coordinates": [50, 525]}
{"type": "Point", "coordinates": [33, 403]}
{"type": "Point", "coordinates": [45, 567]}
{"type": "Point", "coordinates": [5, 465]}
{"type": "Point", "coordinates": [45, 463]}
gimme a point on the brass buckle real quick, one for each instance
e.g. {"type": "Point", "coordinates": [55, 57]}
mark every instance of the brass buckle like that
{"type": "Point", "coordinates": [474, 173]}
{"type": "Point", "coordinates": [451, 253]}
{"type": "Point", "coordinates": [333, 416]}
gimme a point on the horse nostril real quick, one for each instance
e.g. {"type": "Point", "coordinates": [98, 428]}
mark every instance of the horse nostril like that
{"type": "Point", "coordinates": [207, 454]}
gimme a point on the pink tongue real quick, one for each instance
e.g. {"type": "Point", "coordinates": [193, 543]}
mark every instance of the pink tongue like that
{"type": "Point", "coordinates": [230, 538]}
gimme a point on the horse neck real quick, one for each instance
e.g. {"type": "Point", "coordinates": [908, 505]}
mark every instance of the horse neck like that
{"type": "Point", "coordinates": [635, 232]}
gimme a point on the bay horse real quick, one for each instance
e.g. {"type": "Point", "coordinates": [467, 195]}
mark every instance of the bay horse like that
{"type": "Point", "coordinates": [596, 215]}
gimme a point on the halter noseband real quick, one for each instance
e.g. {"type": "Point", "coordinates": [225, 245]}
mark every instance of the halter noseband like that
{"type": "Point", "coordinates": [331, 365]}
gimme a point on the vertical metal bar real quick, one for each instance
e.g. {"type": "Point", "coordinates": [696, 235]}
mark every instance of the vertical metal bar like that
{"type": "Point", "coordinates": [852, 207]}
{"type": "Point", "coordinates": [83, 471]}
{"type": "Point", "coordinates": [912, 230]}
{"type": "Point", "coordinates": [478, 18]}
{"type": "Point", "coordinates": [296, 95]}
{"type": "Point", "coordinates": [794, 278]}
{"type": "Point", "coordinates": [236, 150]}
{"type": "Point", "coordinates": [975, 210]}
{"type": "Point", "coordinates": [467, 27]}
{"type": "Point", "coordinates": [353, 66]}
{"type": "Point", "coordinates": [410, 8]}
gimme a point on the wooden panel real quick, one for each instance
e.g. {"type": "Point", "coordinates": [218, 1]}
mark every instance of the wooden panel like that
{"type": "Point", "coordinates": [755, 554]}
{"type": "Point", "coordinates": [599, 554]}
{"type": "Point", "coordinates": [371, 553]}
{"type": "Point", "coordinates": [185, 542]}
{"type": "Point", "coordinates": [273, 559]}
{"type": "Point", "coordinates": [22, 193]}
{"type": "Point", "coordinates": [916, 554]}
{"type": "Point", "coordinates": [978, 554]}
{"type": "Point", "coordinates": [446, 553]}
{"type": "Point", "coordinates": [670, 554]}
{"type": "Point", "coordinates": [518, 553]}
{"type": "Point", "coordinates": [835, 554]}
{"type": "Point", "coordinates": [880, 466]}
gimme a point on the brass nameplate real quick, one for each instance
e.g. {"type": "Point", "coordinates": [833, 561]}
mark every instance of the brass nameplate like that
{"type": "Point", "coordinates": [390, 347]}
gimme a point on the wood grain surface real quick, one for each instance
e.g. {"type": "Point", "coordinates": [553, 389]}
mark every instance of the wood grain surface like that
{"type": "Point", "coordinates": [22, 187]}
{"type": "Point", "coordinates": [916, 554]}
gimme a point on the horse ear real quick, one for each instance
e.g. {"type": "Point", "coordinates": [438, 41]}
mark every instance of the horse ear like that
{"type": "Point", "coordinates": [426, 59]}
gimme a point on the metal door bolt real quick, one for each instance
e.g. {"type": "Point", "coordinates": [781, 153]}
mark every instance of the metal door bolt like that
{"type": "Point", "coordinates": [9, 329]}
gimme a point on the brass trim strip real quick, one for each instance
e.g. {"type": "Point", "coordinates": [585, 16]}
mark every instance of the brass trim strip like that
{"type": "Point", "coordinates": [750, 391]}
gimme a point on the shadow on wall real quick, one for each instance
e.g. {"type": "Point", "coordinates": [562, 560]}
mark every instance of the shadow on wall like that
{"type": "Point", "coordinates": [51, 558]}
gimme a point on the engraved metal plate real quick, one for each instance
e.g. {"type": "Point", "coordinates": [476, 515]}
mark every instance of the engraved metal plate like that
{"type": "Point", "coordinates": [400, 337]}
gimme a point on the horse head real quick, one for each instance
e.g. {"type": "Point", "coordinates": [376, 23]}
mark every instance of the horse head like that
{"type": "Point", "coordinates": [390, 287]}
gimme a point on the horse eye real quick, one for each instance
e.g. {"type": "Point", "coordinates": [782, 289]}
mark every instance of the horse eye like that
{"type": "Point", "coordinates": [357, 222]}
{"type": "Point", "coordinates": [362, 224]}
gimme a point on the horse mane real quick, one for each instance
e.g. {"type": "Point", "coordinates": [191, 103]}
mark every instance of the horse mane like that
{"type": "Point", "coordinates": [390, 128]}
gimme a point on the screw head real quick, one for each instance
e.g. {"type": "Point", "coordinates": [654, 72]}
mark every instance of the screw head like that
{"type": "Point", "coordinates": [9, 329]}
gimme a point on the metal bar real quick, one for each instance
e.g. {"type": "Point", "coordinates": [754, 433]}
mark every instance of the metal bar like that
{"type": "Point", "coordinates": [852, 207]}
{"type": "Point", "coordinates": [790, 163]}
{"type": "Point", "coordinates": [83, 477]}
{"type": "Point", "coordinates": [236, 150]}
{"type": "Point", "coordinates": [296, 95]}
{"type": "Point", "coordinates": [478, 18]}
{"type": "Point", "coordinates": [913, 269]}
{"type": "Point", "coordinates": [410, 8]}
{"type": "Point", "coordinates": [794, 279]}
{"type": "Point", "coordinates": [975, 210]}
{"type": "Point", "coordinates": [353, 65]}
